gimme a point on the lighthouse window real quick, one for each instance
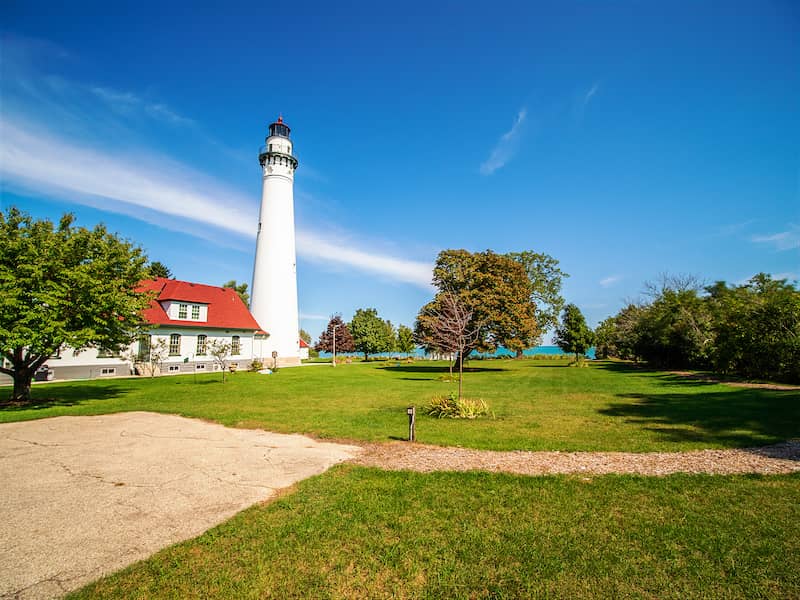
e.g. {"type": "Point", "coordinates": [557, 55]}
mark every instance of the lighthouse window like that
{"type": "Point", "coordinates": [235, 346]}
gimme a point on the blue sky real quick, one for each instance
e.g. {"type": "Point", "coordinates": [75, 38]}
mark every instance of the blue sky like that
{"type": "Point", "coordinates": [625, 139]}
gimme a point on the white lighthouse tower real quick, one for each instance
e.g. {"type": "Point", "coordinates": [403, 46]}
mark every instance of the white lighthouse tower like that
{"type": "Point", "coordinates": [274, 292]}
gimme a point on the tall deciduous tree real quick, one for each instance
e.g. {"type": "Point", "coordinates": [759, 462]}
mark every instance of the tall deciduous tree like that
{"type": "Point", "coordinates": [241, 289]}
{"type": "Point", "coordinates": [574, 335]}
{"type": "Point", "coordinates": [495, 290]}
{"type": "Point", "coordinates": [546, 281]}
{"type": "Point", "coordinates": [371, 334]}
{"type": "Point", "coordinates": [63, 286]}
{"type": "Point", "coordinates": [756, 329]}
{"type": "Point", "coordinates": [344, 340]}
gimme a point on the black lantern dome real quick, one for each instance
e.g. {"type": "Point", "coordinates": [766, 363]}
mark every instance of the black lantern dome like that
{"type": "Point", "coordinates": [279, 128]}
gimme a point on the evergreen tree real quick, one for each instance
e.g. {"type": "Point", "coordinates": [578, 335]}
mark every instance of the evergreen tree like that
{"type": "Point", "coordinates": [405, 340]}
{"type": "Point", "coordinates": [158, 269]}
{"type": "Point", "coordinates": [241, 289]}
{"type": "Point", "coordinates": [574, 335]}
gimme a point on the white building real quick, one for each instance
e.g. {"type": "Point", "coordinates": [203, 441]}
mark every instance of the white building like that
{"type": "Point", "coordinates": [274, 291]}
{"type": "Point", "coordinates": [188, 317]}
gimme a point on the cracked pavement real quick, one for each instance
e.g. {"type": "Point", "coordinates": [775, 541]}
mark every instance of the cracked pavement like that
{"type": "Point", "coordinates": [85, 496]}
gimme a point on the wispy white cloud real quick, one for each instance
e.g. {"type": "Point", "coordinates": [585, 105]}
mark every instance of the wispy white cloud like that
{"type": "Point", "coordinates": [313, 317]}
{"type": "Point", "coordinates": [733, 228]}
{"type": "Point", "coordinates": [65, 139]}
{"type": "Point", "coordinates": [783, 240]}
{"type": "Point", "coordinates": [506, 146]}
{"type": "Point", "coordinates": [580, 103]}
{"type": "Point", "coordinates": [590, 94]}
{"type": "Point", "coordinates": [128, 102]}
{"type": "Point", "coordinates": [609, 281]}
{"type": "Point", "coordinates": [38, 161]}
{"type": "Point", "coordinates": [316, 247]}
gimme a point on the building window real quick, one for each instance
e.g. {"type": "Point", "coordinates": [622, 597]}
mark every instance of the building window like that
{"type": "Point", "coordinates": [174, 344]}
{"type": "Point", "coordinates": [144, 348]}
{"type": "Point", "coordinates": [200, 367]}
{"type": "Point", "coordinates": [174, 368]}
{"type": "Point", "coordinates": [108, 371]}
{"type": "Point", "coordinates": [201, 345]}
{"type": "Point", "coordinates": [195, 312]}
{"type": "Point", "coordinates": [235, 346]}
{"type": "Point", "coordinates": [182, 310]}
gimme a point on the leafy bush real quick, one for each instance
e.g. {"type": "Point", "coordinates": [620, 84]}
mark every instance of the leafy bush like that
{"type": "Point", "coordinates": [256, 365]}
{"type": "Point", "coordinates": [452, 408]}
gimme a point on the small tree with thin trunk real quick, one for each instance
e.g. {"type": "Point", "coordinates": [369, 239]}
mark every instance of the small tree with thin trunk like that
{"type": "Point", "coordinates": [158, 354]}
{"type": "Point", "coordinates": [149, 357]}
{"type": "Point", "coordinates": [220, 351]}
{"type": "Point", "coordinates": [449, 327]}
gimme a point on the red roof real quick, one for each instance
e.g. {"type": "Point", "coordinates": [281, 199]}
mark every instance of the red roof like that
{"type": "Point", "coordinates": [225, 308]}
{"type": "Point", "coordinates": [303, 343]}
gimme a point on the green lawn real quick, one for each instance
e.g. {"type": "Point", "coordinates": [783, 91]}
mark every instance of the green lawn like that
{"type": "Point", "coordinates": [362, 533]}
{"type": "Point", "coordinates": [356, 532]}
{"type": "Point", "coordinates": [538, 405]}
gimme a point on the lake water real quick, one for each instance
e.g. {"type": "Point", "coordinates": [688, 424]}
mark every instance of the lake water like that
{"type": "Point", "coordinates": [549, 350]}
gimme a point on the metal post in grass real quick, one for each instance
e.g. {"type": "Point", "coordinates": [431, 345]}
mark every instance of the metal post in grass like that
{"type": "Point", "coordinates": [412, 418]}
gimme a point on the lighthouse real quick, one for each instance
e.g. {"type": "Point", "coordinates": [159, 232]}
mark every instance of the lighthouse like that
{"type": "Point", "coordinates": [274, 292]}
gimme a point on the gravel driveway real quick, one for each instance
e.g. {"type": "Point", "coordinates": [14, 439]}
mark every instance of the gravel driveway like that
{"type": "Point", "coordinates": [85, 496]}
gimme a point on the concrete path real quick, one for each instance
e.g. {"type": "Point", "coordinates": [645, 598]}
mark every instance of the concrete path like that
{"type": "Point", "coordinates": [81, 497]}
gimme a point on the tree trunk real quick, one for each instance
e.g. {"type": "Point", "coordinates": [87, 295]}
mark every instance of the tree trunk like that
{"type": "Point", "coordinates": [519, 354]}
{"type": "Point", "coordinates": [22, 385]}
{"type": "Point", "coordinates": [460, 377]}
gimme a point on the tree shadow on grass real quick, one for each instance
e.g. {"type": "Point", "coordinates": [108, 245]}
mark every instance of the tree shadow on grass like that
{"type": "Point", "coordinates": [433, 369]}
{"type": "Point", "coordinates": [624, 367]}
{"type": "Point", "coordinates": [52, 395]}
{"type": "Point", "coordinates": [732, 417]}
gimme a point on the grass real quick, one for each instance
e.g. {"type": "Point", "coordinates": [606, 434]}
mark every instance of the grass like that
{"type": "Point", "coordinates": [538, 405]}
{"type": "Point", "coordinates": [357, 532]}
{"type": "Point", "coordinates": [363, 533]}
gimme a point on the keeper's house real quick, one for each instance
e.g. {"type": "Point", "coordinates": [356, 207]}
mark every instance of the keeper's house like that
{"type": "Point", "coordinates": [188, 317]}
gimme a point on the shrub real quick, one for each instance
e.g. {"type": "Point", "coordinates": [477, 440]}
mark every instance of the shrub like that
{"type": "Point", "coordinates": [256, 365]}
{"type": "Point", "coordinates": [452, 408]}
